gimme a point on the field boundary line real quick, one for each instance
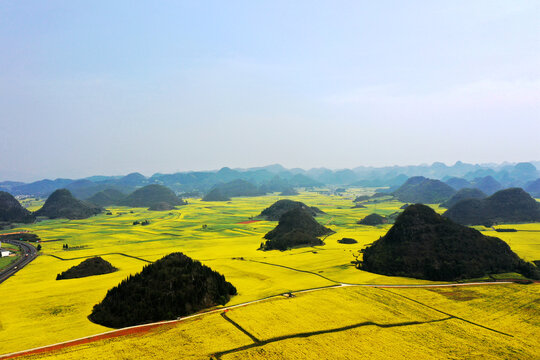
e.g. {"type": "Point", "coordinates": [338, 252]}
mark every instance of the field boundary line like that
{"type": "Point", "coordinates": [218, 355]}
{"type": "Point", "coordinates": [119, 332]}
{"type": "Point", "coordinates": [445, 313]}
{"type": "Point", "coordinates": [86, 257]}
{"type": "Point", "coordinates": [239, 327]}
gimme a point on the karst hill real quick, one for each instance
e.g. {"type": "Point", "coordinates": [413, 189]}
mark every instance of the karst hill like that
{"type": "Point", "coordinates": [11, 211]}
{"type": "Point", "coordinates": [280, 207]}
{"type": "Point", "coordinates": [61, 204]}
{"type": "Point", "coordinates": [89, 267]}
{"type": "Point", "coordinates": [422, 244]}
{"type": "Point", "coordinates": [512, 205]}
{"type": "Point", "coordinates": [462, 194]}
{"type": "Point", "coordinates": [296, 228]}
{"type": "Point", "coordinates": [151, 195]}
{"type": "Point", "coordinates": [173, 286]}
{"type": "Point", "coordinates": [419, 189]}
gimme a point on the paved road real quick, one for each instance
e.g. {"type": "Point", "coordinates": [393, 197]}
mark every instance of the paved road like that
{"type": "Point", "coordinates": [26, 249]}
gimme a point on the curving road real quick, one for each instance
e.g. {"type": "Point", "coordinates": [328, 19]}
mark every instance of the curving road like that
{"type": "Point", "coordinates": [28, 253]}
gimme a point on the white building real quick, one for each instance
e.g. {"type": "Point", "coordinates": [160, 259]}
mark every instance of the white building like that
{"type": "Point", "coordinates": [4, 252]}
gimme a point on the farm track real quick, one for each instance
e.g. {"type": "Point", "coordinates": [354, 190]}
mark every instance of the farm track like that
{"type": "Point", "coordinates": [298, 270]}
{"type": "Point", "coordinates": [445, 313]}
{"type": "Point", "coordinates": [147, 327]}
{"type": "Point", "coordinates": [90, 256]}
{"type": "Point", "coordinates": [322, 332]}
{"type": "Point", "coordinates": [26, 249]}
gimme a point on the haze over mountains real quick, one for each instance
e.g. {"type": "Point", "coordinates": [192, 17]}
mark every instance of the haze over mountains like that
{"type": "Point", "coordinates": [488, 178]}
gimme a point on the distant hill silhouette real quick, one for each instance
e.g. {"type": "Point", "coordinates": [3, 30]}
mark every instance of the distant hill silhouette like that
{"type": "Point", "coordinates": [289, 192]}
{"type": "Point", "coordinates": [425, 245]}
{"type": "Point", "coordinates": [61, 204]}
{"type": "Point", "coordinates": [173, 286]}
{"type": "Point", "coordinates": [275, 184]}
{"type": "Point", "coordinates": [487, 184]}
{"type": "Point", "coordinates": [419, 189]}
{"type": "Point", "coordinates": [12, 211]}
{"type": "Point", "coordinates": [40, 188]}
{"type": "Point", "coordinates": [533, 188]}
{"type": "Point", "coordinates": [280, 207]}
{"type": "Point", "coordinates": [215, 195]}
{"type": "Point", "coordinates": [89, 267]}
{"type": "Point", "coordinates": [458, 183]}
{"type": "Point", "coordinates": [465, 193]}
{"type": "Point", "coordinates": [301, 180]}
{"type": "Point", "coordinates": [296, 227]}
{"type": "Point", "coordinates": [133, 179]}
{"type": "Point", "coordinates": [512, 205]}
{"type": "Point", "coordinates": [372, 220]}
{"type": "Point", "coordinates": [107, 197]}
{"type": "Point", "coordinates": [235, 188]}
{"type": "Point", "coordinates": [151, 195]}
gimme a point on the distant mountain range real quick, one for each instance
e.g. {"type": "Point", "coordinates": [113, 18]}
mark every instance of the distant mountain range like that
{"type": "Point", "coordinates": [487, 177]}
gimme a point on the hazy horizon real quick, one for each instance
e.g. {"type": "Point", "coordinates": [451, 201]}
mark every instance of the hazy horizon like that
{"type": "Point", "coordinates": [103, 88]}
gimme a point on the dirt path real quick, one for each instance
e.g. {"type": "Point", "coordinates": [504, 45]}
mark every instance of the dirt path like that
{"type": "Point", "coordinates": [147, 327]}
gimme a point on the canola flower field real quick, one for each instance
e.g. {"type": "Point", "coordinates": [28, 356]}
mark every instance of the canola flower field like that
{"type": "Point", "coordinates": [37, 310]}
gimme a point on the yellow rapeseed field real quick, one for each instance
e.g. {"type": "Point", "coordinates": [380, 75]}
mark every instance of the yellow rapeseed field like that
{"type": "Point", "coordinates": [38, 310]}
{"type": "Point", "coordinates": [346, 323]}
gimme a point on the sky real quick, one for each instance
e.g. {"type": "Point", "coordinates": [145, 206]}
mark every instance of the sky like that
{"type": "Point", "coordinates": [112, 87]}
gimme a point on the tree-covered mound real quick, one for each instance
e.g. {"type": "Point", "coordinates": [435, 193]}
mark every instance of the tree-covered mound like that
{"type": "Point", "coordinates": [487, 184]}
{"type": "Point", "coordinates": [361, 198]}
{"type": "Point", "coordinates": [233, 188]}
{"type": "Point", "coordinates": [61, 204]}
{"type": "Point", "coordinates": [173, 286]}
{"type": "Point", "coordinates": [289, 191]}
{"type": "Point", "coordinates": [161, 206]}
{"type": "Point", "coordinates": [372, 220]}
{"type": "Point", "coordinates": [107, 197]}
{"type": "Point", "coordinates": [347, 241]}
{"type": "Point", "coordinates": [512, 205]}
{"type": "Point", "coordinates": [89, 267]}
{"type": "Point", "coordinates": [12, 211]}
{"type": "Point", "coordinates": [465, 193]}
{"type": "Point", "coordinates": [215, 195]}
{"type": "Point", "coordinates": [150, 195]}
{"type": "Point", "coordinates": [419, 189]}
{"type": "Point", "coordinates": [296, 228]}
{"type": "Point", "coordinates": [280, 207]}
{"type": "Point", "coordinates": [458, 183]}
{"type": "Point", "coordinates": [422, 244]}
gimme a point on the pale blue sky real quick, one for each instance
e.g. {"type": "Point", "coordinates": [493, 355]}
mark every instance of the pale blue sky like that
{"type": "Point", "coordinates": [110, 87]}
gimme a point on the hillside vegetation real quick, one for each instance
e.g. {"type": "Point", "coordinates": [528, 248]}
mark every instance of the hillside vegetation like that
{"type": "Point", "coordinates": [107, 197]}
{"type": "Point", "coordinates": [11, 210]}
{"type": "Point", "coordinates": [61, 204]}
{"type": "Point", "coordinates": [296, 227]}
{"type": "Point", "coordinates": [422, 244]}
{"type": "Point", "coordinates": [419, 189]}
{"type": "Point", "coordinates": [171, 287]}
{"type": "Point", "coordinates": [465, 193]}
{"type": "Point", "coordinates": [151, 195]}
{"type": "Point", "coordinates": [280, 207]}
{"type": "Point", "coordinates": [512, 205]}
{"type": "Point", "coordinates": [89, 267]}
